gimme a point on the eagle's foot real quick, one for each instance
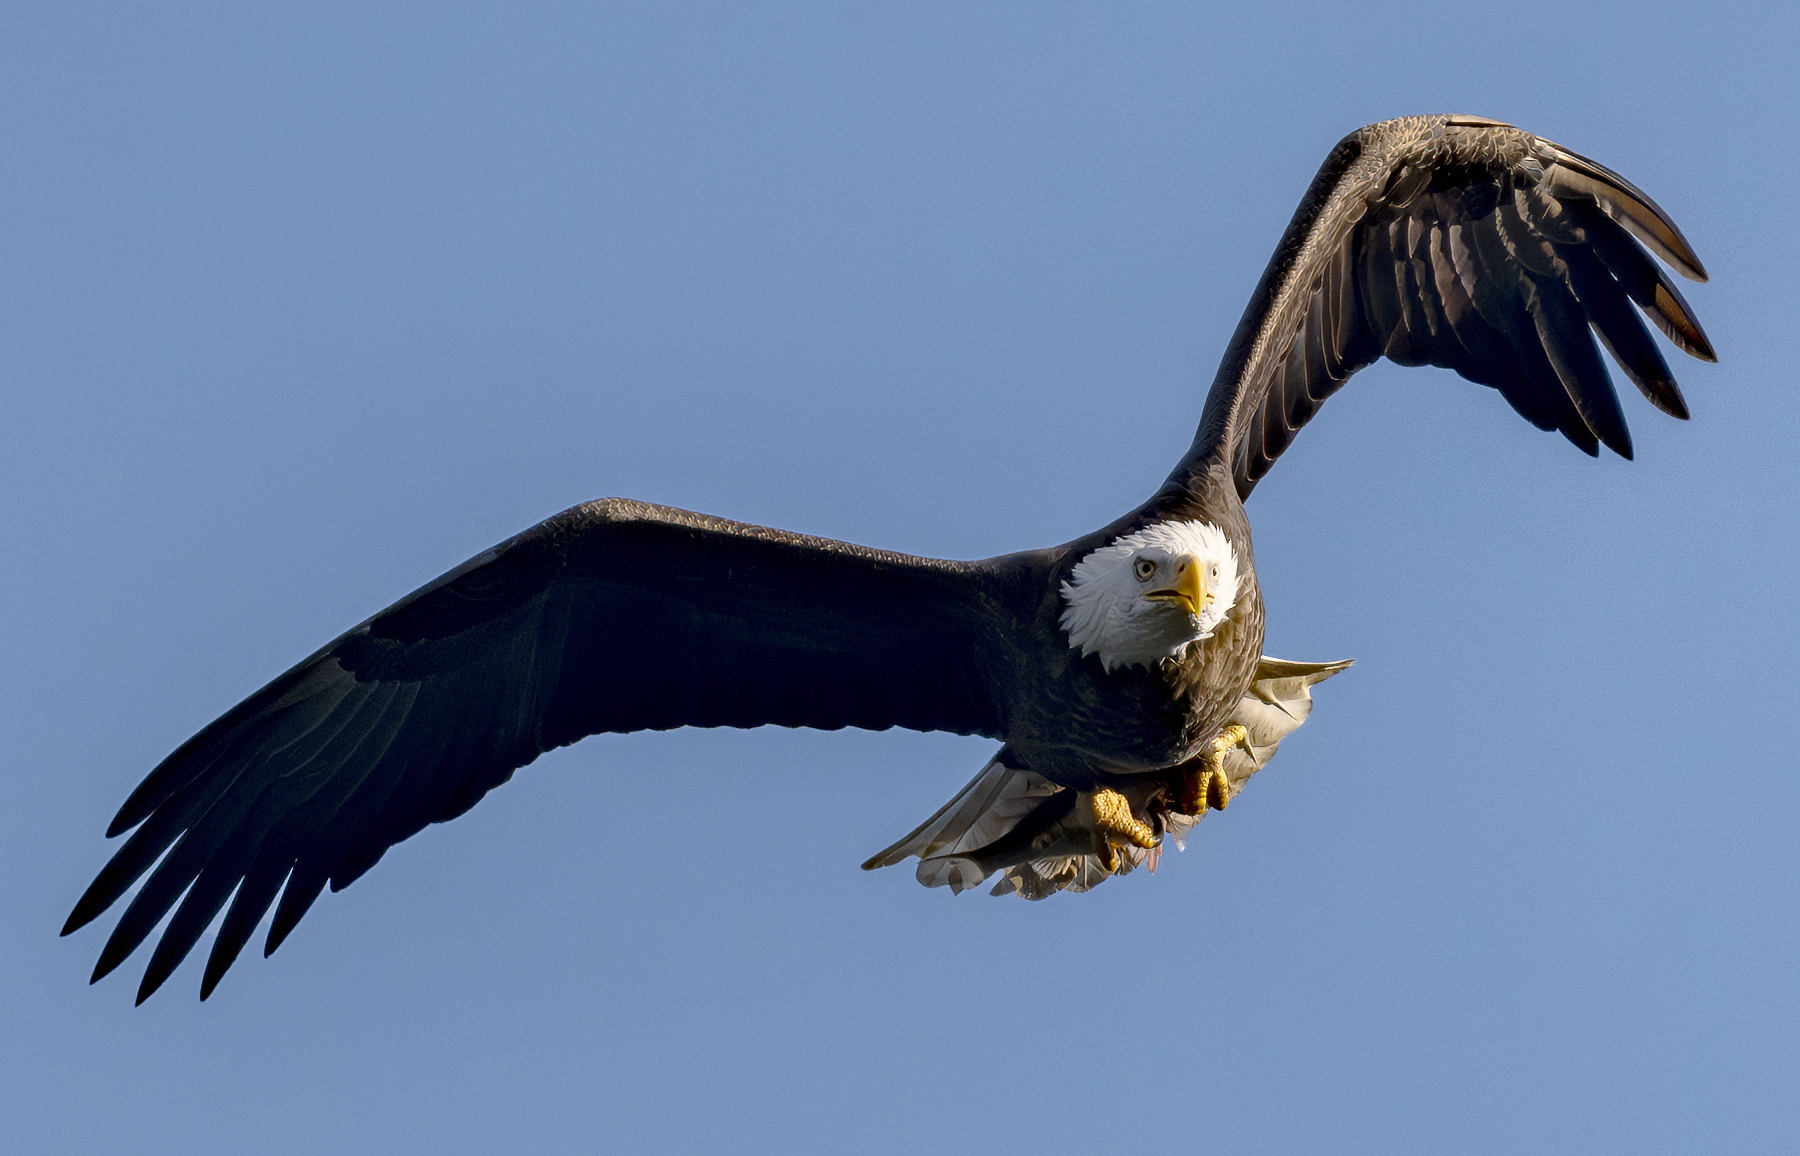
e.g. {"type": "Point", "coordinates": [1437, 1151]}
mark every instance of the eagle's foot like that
{"type": "Point", "coordinates": [1115, 826]}
{"type": "Point", "coordinates": [1206, 785]}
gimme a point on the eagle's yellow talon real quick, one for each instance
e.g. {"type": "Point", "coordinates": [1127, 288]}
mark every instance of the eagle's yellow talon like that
{"type": "Point", "coordinates": [1114, 823]}
{"type": "Point", "coordinates": [1230, 737]}
{"type": "Point", "coordinates": [1207, 785]}
{"type": "Point", "coordinates": [1218, 786]}
{"type": "Point", "coordinates": [1218, 790]}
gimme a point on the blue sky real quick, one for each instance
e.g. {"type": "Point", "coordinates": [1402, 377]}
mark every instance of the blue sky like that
{"type": "Point", "coordinates": [304, 304]}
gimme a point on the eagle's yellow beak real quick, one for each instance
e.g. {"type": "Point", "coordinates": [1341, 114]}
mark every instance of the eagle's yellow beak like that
{"type": "Point", "coordinates": [1188, 589]}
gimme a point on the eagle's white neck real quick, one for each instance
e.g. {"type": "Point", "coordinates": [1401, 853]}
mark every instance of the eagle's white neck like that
{"type": "Point", "coordinates": [1109, 614]}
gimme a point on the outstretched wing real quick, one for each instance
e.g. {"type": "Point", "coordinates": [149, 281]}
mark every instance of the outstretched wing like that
{"type": "Point", "coordinates": [1464, 243]}
{"type": "Point", "coordinates": [613, 616]}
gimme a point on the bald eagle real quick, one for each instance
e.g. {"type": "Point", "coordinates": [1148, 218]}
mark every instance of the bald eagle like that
{"type": "Point", "coordinates": [1122, 672]}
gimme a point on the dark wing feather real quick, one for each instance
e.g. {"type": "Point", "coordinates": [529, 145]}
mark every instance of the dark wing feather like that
{"type": "Point", "coordinates": [614, 616]}
{"type": "Point", "coordinates": [1463, 243]}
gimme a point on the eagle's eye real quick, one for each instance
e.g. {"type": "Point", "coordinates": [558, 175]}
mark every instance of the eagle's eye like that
{"type": "Point", "coordinates": [1215, 570]}
{"type": "Point", "coordinates": [1145, 569]}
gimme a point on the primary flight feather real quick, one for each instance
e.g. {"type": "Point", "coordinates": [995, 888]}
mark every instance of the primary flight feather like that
{"type": "Point", "coordinates": [1122, 672]}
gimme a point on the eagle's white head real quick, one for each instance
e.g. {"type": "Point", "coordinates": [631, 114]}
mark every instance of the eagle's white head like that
{"type": "Point", "coordinates": [1144, 597]}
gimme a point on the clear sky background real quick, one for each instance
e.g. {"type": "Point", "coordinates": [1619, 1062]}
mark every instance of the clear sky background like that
{"type": "Point", "coordinates": [304, 304]}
